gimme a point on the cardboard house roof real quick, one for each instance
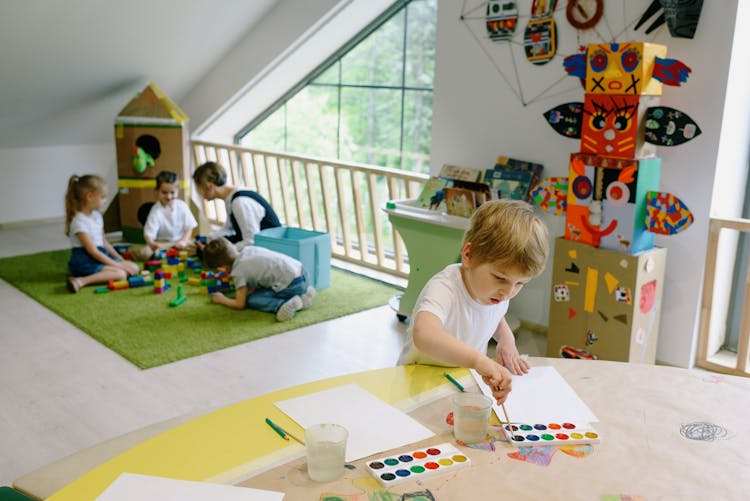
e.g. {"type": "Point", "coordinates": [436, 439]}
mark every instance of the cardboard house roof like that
{"type": "Point", "coordinates": [152, 105]}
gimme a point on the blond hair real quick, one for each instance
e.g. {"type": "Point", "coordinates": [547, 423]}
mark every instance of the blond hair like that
{"type": "Point", "coordinates": [75, 196]}
{"type": "Point", "coordinates": [508, 232]}
{"type": "Point", "coordinates": [219, 252]}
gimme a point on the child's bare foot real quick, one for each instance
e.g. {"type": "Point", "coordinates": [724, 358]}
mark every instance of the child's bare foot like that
{"type": "Point", "coordinates": [73, 285]}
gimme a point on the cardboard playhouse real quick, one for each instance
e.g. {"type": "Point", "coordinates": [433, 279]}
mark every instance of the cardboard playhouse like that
{"type": "Point", "coordinates": [151, 135]}
{"type": "Point", "coordinates": [607, 275]}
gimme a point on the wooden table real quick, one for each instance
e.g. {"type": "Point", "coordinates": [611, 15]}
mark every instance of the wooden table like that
{"type": "Point", "coordinates": [646, 417]}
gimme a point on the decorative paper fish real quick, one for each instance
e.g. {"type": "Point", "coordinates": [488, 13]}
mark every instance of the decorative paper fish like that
{"type": "Point", "coordinates": [666, 214]}
{"type": "Point", "coordinates": [669, 127]}
{"type": "Point", "coordinates": [566, 119]}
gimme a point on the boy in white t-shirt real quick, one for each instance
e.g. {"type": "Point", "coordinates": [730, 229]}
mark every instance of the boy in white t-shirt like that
{"type": "Point", "coordinates": [170, 222]}
{"type": "Point", "coordinates": [264, 279]}
{"type": "Point", "coordinates": [464, 305]}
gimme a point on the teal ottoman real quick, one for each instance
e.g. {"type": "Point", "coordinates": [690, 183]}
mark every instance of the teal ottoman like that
{"type": "Point", "coordinates": [312, 248]}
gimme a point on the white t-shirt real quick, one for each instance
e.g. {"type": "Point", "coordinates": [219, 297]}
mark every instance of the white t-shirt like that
{"type": "Point", "coordinates": [260, 267]}
{"type": "Point", "coordinates": [446, 297]}
{"type": "Point", "coordinates": [169, 225]}
{"type": "Point", "coordinates": [92, 225]}
{"type": "Point", "coordinates": [248, 214]}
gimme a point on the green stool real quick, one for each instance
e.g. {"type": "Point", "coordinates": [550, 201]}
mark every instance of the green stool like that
{"type": "Point", "coordinates": [9, 494]}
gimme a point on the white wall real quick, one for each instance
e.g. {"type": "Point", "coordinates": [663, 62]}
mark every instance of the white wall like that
{"type": "Point", "coordinates": [35, 179]}
{"type": "Point", "coordinates": [476, 117]}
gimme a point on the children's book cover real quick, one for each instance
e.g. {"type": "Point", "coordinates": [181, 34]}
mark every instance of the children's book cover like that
{"type": "Point", "coordinates": [460, 173]}
{"type": "Point", "coordinates": [512, 184]}
{"type": "Point", "coordinates": [433, 195]}
{"type": "Point", "coordinates": [507, 163]}
{"type": "Point", "coordinates": [481, 190]}
{"type": "Point", "coordinates": [460, 202]}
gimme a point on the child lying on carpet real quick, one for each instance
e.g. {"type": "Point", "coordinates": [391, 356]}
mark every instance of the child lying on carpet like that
{"type": "Point", "coordinates": [280, 282]}
{"type": "Point", "coordinates": [93, 260]}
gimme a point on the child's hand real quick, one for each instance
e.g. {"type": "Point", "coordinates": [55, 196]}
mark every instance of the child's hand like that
{"type": "Point", "coordinates": [129, 267]}
{"type": "Point", "coordinates": [497, 378]}
{"type": "Point", "coordinates": [154, 246]}
{"type": "Point", "coordinates": [510, 358]}
{"type": "Point", "coordinates": [181, 244]}
{"type": "Point", "coordinates": [217, 297]}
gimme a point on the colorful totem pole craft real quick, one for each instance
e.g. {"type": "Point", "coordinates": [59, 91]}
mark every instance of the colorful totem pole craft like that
{"type": "Point", "coordinates": [611, 197]}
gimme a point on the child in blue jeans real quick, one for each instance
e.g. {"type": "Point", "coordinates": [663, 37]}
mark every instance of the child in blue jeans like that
{"type": "Point", "coordinates": [280, 282]}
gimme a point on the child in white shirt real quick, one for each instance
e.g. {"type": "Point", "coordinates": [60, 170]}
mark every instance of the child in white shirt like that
{"type": "Point", "coordinates": [93, 260]}
{"type": "Point", "coordinates": [170, 223]}
{"type": "Point", "coordinates": [264, 279]}
{"type": "Point", "coordinates": [463, 306]}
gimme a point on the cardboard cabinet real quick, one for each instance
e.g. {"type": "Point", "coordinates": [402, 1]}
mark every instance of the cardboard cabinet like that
{"type": "Point", "coordinates": [605, 304]}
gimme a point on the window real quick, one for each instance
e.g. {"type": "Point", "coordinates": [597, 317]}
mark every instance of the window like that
{"type": "Point", "coordinates": [370, 103]}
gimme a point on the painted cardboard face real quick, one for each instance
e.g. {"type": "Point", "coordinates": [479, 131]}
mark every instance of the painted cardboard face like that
{"type": "Point", "coordinates": [606, 199]}
{"type": "Point", "coordinates": [626, 68]}
{"type": "Point", "coordinates": [610, 125]}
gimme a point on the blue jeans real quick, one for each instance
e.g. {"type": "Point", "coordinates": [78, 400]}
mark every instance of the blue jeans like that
{"type": "Point", "coordinates": [270, 301]}
{"type": "Point", "coordinates": [81, 263]}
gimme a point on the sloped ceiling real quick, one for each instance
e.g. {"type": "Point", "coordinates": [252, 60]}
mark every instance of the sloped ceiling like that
{"type": "Point", "coordinates": [67, 67]}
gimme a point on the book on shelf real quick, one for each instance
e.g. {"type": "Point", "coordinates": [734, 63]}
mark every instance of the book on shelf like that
{"type": "Point", "coordinates": [433, 194]}
{"type": "Point", "coordinates": [514, 164]}
{"type": "Point", "coordinates": [460, 201]}
{"type": "Point", "coordinates": [512, 184]}
{"type": "Point", "coordinates": [460, 173]}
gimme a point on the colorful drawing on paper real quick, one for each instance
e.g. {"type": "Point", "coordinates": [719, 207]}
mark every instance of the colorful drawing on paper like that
{"type": "Point", "coordinates": [577, 451]}
{"type": "Point", "coordinates": [541, 456]}
{"type": "Point", "coordinates": [494, 434]}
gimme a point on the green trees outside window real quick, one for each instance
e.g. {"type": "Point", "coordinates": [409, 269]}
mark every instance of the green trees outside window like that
{"type": "Point", "coordinates": [370, 103]}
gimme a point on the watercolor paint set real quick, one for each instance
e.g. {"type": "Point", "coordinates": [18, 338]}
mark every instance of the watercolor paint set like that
{"type": "Point", "coordinates": [416, 464]}
{"type": "Point", "coordinates": [524, 435]}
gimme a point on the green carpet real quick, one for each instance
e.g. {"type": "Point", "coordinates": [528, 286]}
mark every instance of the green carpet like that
{"type": "Point", "coordinates": [144, 329]}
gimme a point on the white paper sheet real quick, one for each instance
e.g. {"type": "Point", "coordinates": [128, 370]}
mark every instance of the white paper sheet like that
{"type": "Point", "coordinates": [374, 426]}
{"type": "Point", "coordinates": [131, 486]}
{"type": "Point", "coordinates": [541, 396]}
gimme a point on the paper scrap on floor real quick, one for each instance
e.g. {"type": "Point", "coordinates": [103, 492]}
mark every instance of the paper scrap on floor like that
{"type": "Point", "coordinates": [541, 396]}
{"type": "Point", "coordinates": [130, 486]}
{"type": "Point", "coordinates": [374, 426]}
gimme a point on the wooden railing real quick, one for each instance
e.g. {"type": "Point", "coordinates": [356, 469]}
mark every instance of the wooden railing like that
{"type": "Point", "coordinates": [341, 198]}
{"type": "Point", "coordinates": [719, 271]}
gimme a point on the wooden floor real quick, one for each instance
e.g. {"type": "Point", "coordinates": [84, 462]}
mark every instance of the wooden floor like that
{"type": "Point", "coordinates": [61, 391]}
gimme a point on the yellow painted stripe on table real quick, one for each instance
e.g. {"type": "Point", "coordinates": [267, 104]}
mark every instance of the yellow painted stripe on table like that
{"type": "Point", "coordinates": [215, 443]}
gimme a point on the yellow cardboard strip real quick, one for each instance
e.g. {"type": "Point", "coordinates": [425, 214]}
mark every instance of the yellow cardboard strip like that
{"type": "Point", "coordinates": [592, 275]}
